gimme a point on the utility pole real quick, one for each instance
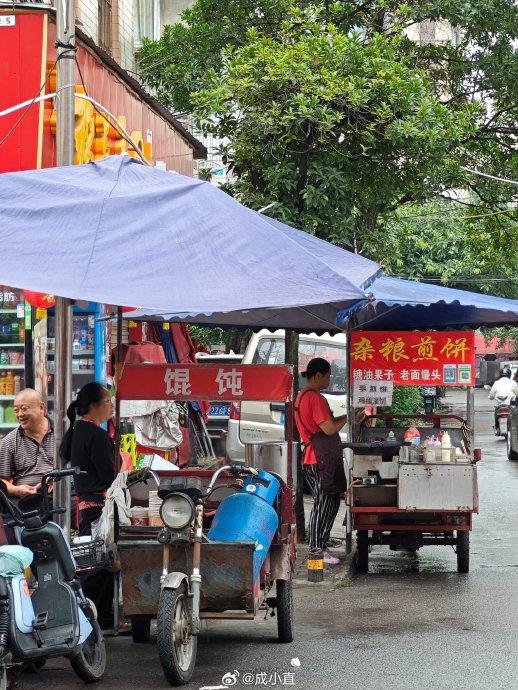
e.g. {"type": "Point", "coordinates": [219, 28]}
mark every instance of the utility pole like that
{"type": "Point", "coordinates": [65, 112]}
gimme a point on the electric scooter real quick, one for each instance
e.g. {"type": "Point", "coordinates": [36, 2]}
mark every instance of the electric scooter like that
{"type": "Point", "coordinates": [56, 619]}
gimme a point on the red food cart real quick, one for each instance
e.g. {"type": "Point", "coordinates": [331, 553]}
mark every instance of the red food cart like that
{"type": "Point", "coordinates": [418, 486]}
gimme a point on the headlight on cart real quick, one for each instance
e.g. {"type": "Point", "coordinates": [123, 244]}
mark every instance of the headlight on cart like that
{"type": "Point", "coordinates": [177, 511]}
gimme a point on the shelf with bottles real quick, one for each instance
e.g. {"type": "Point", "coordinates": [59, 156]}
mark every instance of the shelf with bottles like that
{"type": "Point", "coordinates": [7, 417]}
{"type": "Point", "coordinates": [87, 368]}
{"type": "Point", "coordinates": [12, 359]}
{"type": "Point", "coordinates": [12, 324]}
{"type": "Point", "coordinates": [75, 353]}
{"type": "Point", "coordinates": [11, 384]}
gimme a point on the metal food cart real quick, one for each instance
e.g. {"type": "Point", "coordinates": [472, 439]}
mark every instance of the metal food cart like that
{"type": "Point", "coordinates": [406, 495]}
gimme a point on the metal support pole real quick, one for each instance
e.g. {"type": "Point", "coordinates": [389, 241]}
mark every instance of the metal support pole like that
{"type": "Point", "coordinates": [62, 394]}
{"type": "Point", "coordinates": [470, 417]}
{"type": "Point", "coordinates": [65, 68]}
{"type": "Point", "coordinates": [291, 356]}
{"type": "Point", "coordinates": [349, 454]}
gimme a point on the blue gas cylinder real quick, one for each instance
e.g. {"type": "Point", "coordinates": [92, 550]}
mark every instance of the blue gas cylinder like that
{"type": "Point", "coordinates": [264, 485]}
{"type": "Point", "coordinates": [249, 516]}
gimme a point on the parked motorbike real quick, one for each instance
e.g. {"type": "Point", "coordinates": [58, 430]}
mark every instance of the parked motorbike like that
{"type": "Point", "coordinates": [501, 415]}
{"type": "Point", "coordinates": [429, 394]}
{"type": "Point", "coordinates": [184, 505]}
{"type": "Point", "coordinates": [56, 619]}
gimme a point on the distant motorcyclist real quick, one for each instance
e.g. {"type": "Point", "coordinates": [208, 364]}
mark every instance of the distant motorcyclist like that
{"type": "Point", "coordinates": [503, 388]}
{"type": "Point", "coordinates": [502, 392]}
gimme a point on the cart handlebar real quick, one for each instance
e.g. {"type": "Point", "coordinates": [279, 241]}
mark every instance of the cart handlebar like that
{"type": "Point", "coordinates": [374, 447]}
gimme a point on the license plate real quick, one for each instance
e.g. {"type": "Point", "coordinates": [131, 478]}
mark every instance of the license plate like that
{"type": "Point", "coordinates": [503, 425]}
{"type": "Point", "coordinates": [219, 410]}
{"type": "Point", "coordinates": [429, 390]}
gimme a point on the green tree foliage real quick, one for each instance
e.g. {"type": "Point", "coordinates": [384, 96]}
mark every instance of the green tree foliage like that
{"type": "Point", "coordinates": [335, 129]}
{"type": "Point", "coordinates": [451, 244]}
{"type": "Point", "coordinates": [336, 114]}
{"type": "Point", "coordinates": [406, 400]}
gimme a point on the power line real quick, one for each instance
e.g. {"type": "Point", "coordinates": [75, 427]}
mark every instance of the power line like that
{"type": "Point", "coordinates": [29, 104]}
{"type": "Point", "coordinates": [491, 177]}
{"type": "Point", "coordinates": [439, 216]}
{"type": "Point", "coordinates": [482, 279]}
{"type": "Point", "coordinates": [115, 124]}
{"type": "Point", "coordinates": [123, 132]}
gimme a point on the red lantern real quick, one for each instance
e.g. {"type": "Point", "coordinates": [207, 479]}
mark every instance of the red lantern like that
{"type": "Point", "coordinates": [40, 300]}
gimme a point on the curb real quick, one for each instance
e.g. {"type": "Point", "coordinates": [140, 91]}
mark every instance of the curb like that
{"type": "Point", "coordinates": [335, 577]}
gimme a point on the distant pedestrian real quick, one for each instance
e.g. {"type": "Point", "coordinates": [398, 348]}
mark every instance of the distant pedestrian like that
{"type": "Point", "coordinates": [87, 445]}
{"type": "Point", "coordinates": [323, 457]}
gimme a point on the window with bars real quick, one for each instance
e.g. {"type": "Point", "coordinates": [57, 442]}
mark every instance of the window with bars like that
{"type": "Point", "coordinates": [105, 24]}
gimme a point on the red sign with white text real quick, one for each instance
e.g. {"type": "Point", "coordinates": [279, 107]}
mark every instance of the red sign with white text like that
{"type": "Point", "coordinates": [205, 382]}
{"type": "Point", "coordinates": [414, 358]}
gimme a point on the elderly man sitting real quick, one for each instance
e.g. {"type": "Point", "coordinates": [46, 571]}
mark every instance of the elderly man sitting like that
{"type": "Point", "coordinates": [27, 452]}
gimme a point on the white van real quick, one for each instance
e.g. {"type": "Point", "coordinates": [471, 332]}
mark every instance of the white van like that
{"type": "Point", "coordinates": [259, 422]}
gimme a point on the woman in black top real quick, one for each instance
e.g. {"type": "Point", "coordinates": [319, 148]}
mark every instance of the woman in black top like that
{"type": "Point", "coordinates": [87, 445]}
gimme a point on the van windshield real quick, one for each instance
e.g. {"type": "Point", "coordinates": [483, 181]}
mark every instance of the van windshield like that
{"type": "Point", "coordinates": [271, 351]}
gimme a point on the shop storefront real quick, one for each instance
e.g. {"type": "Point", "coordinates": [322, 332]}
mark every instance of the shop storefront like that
{"type": "Point", "coordinates": [27, 141]}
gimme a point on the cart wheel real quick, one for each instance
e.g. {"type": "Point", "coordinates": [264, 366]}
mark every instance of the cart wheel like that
{"type": "Point", "coordinates": [511, 454]}
{"type": "Point", "coordinates": [463, 552]}
{"type": "Point", "coordinates": [176, 645]}
{"type": "Point", "coordinates": [285, 610]}
{"type": "Point", "coordinates": [362, 551]}
{"type": "Point", "coordinates": [141, 628]}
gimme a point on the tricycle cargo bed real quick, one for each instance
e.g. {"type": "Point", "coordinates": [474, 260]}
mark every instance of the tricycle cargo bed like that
{"type": "Point", "coordinates": [226, 571]}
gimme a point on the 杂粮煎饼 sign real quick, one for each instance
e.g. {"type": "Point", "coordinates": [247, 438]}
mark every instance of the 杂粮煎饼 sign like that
{"type": "Point", "coordinates": [414, 358]}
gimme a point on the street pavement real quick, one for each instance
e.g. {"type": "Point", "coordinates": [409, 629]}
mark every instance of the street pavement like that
{"type": "Point", "coordinates": [408, 623]}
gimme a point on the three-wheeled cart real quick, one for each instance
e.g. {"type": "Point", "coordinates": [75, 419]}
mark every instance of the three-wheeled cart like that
{"type": "Point", "coordinates": [177, 572]}
{"type": "Point", "coordinates": [403, 495]}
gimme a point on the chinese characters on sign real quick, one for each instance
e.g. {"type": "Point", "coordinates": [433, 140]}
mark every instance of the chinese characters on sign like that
{"type": "Point", "coordinates": [373, 392]}
{"type": "Point", "coordinates": [230, 381]}
{"type": "Point", "coordinates": [413, 358]}
{"type": "Point", "coordinates": [205, 382]}
{"type": "Point", "coordinates": [177, 382]}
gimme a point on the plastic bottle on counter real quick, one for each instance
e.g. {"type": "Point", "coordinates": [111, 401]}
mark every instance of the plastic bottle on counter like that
{"type": "Point", "coordinates": [446, 447]}
{"type": "Point", "coordinates": [21, 334]}
{"type": "Point", "coordinates": [3, 376]}
{"type": "Point", "coordinates": [17, 384]}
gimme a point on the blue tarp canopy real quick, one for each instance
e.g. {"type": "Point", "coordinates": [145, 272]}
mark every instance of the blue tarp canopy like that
{"type": "Point", "coordinates": [407, 304]}
{"type": "Point", "coordinates": [119, 232]}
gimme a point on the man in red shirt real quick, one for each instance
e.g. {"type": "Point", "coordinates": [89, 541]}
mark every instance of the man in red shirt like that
{"type": "Point", "coordinates": [313, 415]}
